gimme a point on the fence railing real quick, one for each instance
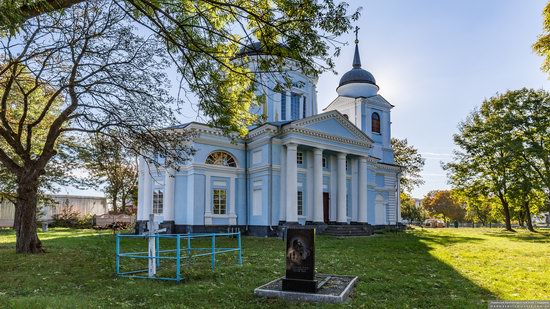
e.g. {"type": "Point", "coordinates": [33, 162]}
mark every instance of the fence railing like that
{"type": "Point", "coordinates": [183, 250]}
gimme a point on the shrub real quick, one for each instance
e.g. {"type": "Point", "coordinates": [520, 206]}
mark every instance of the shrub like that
{"type": "Point", "coordinates": [72, 219]}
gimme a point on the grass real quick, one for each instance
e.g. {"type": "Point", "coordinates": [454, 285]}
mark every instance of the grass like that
{"type": "Point", "coordinates": [456, 268]}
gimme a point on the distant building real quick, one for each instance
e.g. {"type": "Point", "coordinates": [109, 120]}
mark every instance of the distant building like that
{"type": "Point", "coordinates": [541, 219]}
{"type": "Point", "coordinates": [83, 205]}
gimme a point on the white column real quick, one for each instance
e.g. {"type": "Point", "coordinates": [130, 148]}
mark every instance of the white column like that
{"type": "Point", "coordinates": [169, 191]}
{"type": "Point", "coordinates": [363, 187]}
{"type": "Point", "coordinates": [141, 188]}
{"type": "Point", "coordinates": [282, 186]}
{"type": "Point", "coordinates": [341, 205]}
{"type": "Point", "coordinates": [398, 201]}
{"type": "Point", "coordinates": [291, 184]}
{"type": "Point", "coordinates": [354, 195]}
{"type": "Point", "coordinates": [309, 192]}
{"type": "Point", "coordinates": [147, 192]}
{"type": "Point", "coordinates": [318, 185]}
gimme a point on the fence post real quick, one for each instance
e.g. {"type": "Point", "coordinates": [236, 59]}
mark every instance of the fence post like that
{"type": "Point", "coordinates": [189, 247]}
{"type": "Point", "coordinates": [178, 258]}
{"type": "Point", "coordinates": [158, 249]}
{"type": "Point", "coordinates": [240, 252]}
{"type": "Point", "coordinates": [213, 251]}
{"type": "Point", "coordinates": [117, 253]}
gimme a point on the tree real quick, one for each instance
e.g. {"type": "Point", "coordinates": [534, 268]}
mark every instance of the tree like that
{"type": "Point", "coordinates": [204, 37]}
{"type": "Point", "coordinates": [443, 203]}
{"type": "Point", "coordinates": [409, 210]}
{"type": "Point", "coordinates": [412, 162]}
{"type": "Point", "coordinates": [111, 79]}
{"type": "Point", "coordinates": [483, 157]}
{"type": "Point", "coordinates": [542, 45]}
{"type": "Point", "coordinates": [105, 76]}
{"type": "Point", "coordinates": [479, 207]}
{"type": "Point", "coordinates": [505, 151]}
{"type": "Point", "coordinates": [110, 163]}
{"type": "Point", "coordinates": [58, 171]}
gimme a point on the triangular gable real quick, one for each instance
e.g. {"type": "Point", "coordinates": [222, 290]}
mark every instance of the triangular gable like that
{"type": "Point", "coordinates": [339, 101]}
{"type": "Point", "coordinates": [332, 123]}
{"type": "Point", "coordinates": [380, 101]}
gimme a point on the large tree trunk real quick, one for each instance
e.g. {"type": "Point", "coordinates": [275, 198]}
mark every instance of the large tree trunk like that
{"type": "Point", "coordinates": [506, 211]}
{"type": "Point", "coordinates": [528, 216]}
{"type": "Point", "coordinates": [25, 211]}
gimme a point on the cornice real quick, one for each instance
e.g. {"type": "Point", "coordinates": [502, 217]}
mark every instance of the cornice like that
{"type": "Point", "coordinates": [333, 114]}
{"type": "Point", "coordinates": [319, 134]}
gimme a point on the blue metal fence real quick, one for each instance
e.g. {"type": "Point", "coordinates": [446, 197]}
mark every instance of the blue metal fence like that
{"type": "Point", "coordinates": [189, 252]}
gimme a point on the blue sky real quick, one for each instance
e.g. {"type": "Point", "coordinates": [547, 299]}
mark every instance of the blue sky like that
{"type": "Point", "coordinates": [436, 61]}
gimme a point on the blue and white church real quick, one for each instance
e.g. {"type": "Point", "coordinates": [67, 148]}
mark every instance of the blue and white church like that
{"type": "Point", "coordinates": [300, 166]}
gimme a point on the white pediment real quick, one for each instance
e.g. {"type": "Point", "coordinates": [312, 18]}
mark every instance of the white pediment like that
{"type": "Point", "coordinates": [332, 123]}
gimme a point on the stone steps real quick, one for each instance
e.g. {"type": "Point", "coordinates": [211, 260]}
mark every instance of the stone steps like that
{"type": "Point", "coordinates": [348, 230]}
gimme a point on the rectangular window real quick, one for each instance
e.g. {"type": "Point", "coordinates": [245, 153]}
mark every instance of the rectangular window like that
{"type": "Point", "coordinates": [300, 157]}
{"type": "Point", "coordinates": [304, 107]}
{"type": "Point", "coordinates": [325, 162]}
{"type": "Point", "coordinates": [295, 106]}
{"type": "Point", "coordinates": [300, 203]}
{"type": "Point", "coordinates": [158, 199]}
{"type": "Point", "coordinates": [283, 105]}
{"type": "Point", "coordinates": [219, 201]}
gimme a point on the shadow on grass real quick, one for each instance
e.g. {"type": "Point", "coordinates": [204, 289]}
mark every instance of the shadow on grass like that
{"type": "Point", "coordinates": [394, 270]}
{"type": "Point", "coordinates": [397, 270]}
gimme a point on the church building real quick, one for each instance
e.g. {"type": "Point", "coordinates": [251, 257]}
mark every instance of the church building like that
{"type": "Point", "coordinates": [300, 166]}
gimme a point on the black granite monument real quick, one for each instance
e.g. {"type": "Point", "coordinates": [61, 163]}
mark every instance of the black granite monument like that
{"type": "Point", "coordinates": [300, 261]}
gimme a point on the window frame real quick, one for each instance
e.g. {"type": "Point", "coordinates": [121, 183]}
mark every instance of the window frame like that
{"type": "Point", "coordinates": [295, 106]}
{"type": "Point", "coordinates": [158, 201]}
{"type": "Point", "coordinates": [283, 105]}
{"type": "Point", "coordinates": [300, 203]}
{"type": "Point", "coordinates": [300, 157]}
{"type": "Point", "coordinates": [217, 202]}
{"type": "Point", "coordinates": [375, 123]}
{"type": "Point", "coordinates": [228, 161]}
{"type": "Point", "coordinates": [324, 162]}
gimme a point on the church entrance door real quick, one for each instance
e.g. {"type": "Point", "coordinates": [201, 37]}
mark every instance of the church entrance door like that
{"type": "Point", "coordinates": [326, 207]}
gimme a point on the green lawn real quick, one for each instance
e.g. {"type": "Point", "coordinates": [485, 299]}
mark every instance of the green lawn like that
{"type": "Point", "coordinates": [421, 268]}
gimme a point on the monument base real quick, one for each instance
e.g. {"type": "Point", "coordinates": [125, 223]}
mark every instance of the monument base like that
{"type": "Point", "coordinates": [297, 285]}
{"type": "Point", "coordinates": [331, 289]}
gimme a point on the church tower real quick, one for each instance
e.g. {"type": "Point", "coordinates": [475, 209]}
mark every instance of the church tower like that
{"type": "Point", "coordinates": [359, 101]}
{"type": "Point", "coordinates": [283, 101]}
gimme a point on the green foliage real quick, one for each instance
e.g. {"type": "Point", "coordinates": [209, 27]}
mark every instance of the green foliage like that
{"type": "Point", "coordinates": [409, 210]}
{"type": "Point", "coordinates": [27, 99]}
{"type": "Point", "coordinates": [71, 219]}
{"type": "Point", "coordinates": [412, 162]}
{"type": "Point", "coordinates": [505, 151]}
{"type": "Point", "coordinates": [479, 207]}
{"type": "Point", "coordinates": [542, 45]}
{"type": "Point", "coordinates": [204, 39]}
{"type": "Point", "coordinates": [112, 165]}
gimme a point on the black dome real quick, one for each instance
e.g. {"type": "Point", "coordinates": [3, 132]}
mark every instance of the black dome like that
{"type": "Point", "coordinates": [357, 75]}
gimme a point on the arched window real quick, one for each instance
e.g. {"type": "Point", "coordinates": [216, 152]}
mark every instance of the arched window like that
{"type": "Point", "coordinates": [375, 122]}
{"type": "Point", "coordinates": [221, 158]}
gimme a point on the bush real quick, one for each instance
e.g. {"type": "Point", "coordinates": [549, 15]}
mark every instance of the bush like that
{"type": "Point", "coordinates": [70, 218]}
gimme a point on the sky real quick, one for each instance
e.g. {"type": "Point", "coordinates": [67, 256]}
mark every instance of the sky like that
{"type": "Point", "coordinates": [435, 61]}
